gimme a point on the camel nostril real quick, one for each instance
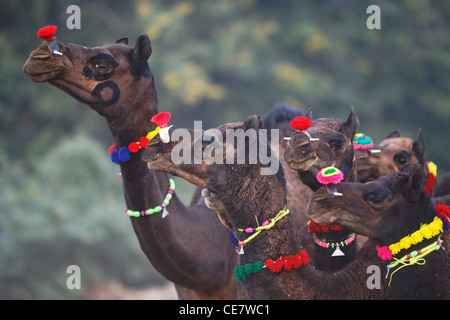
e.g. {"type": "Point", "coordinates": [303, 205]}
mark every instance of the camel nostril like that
{"type": "Point", "coordinates": [299, 139]}
{"type": "Point", "coordinates": [41, 56]}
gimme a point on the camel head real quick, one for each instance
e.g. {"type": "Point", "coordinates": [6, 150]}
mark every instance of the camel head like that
{"type": "Point", "coordinates": [385, 209]}
{"type": "Point", "coordinates": [110, 79]}
{"type": "Point", "coordinates": [237, 183]}
{"type": "Point", "coordinates": [334, 148]}
{"type": "Point", "coordinates": [394, 154]}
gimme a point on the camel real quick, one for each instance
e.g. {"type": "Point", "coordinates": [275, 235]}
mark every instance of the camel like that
{"type": "Point", "coordinates": [307, 157]}
{"type": "Point", "coordinates": [251, 200]}
{"type": "Point", "coordinates": [299, 190]}
{"type": "Point", "coordinates": [394, 154]}
{"type": "Point", "coordinates": [400, 218]}
{"type": "Point", "coordinates": [187, 247]}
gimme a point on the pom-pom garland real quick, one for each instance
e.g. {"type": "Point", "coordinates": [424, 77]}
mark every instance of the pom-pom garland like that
{"type": "Point", "coordinates": [330, 175]}
{"type": "Point", "coordinates": [47, 33]}
{"type": "Point", "coordinates": [284, 262]}
{"type": "Point", "coordinates": [426, 231]}
{"type": "Point", "coordinates": [301, 123]}
{"type": "Point", "coordinates": [123, 154]}
{"type": "Point", "coordinates": [158, 208]}
{"type": "Point", "coordinates": [431, 180]}
{"type": "Point", "coordinates": [362, 141]}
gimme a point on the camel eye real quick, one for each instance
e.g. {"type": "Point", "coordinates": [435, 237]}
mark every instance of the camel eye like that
{"type": "Point", "coordinates": [377, 199]}
{"type": "Point", "coordinates": [402, 158]}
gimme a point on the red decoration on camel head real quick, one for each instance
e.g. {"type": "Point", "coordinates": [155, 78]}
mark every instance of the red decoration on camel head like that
{"type": "Point", "coordinates": [302, 124]}
{"type": "Point", "coordinates": [47, 33]}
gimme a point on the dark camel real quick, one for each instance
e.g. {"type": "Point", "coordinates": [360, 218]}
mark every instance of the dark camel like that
{"type": "Point", "coordinates": [189, 246]}
{"type": "Point", "coordinates": [251, 198]}
{"type": "Point", "coordinates": [308, 157]}
{"type": "Point", "coordinates": [387, 210]}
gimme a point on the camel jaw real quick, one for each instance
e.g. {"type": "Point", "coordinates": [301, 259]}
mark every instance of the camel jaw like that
{"type": "Point", "coordinates": [303, 164]}
{"type": "Point", "coordinates": [43, 76]}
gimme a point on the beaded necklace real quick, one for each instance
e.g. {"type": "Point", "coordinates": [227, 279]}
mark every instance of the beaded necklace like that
{"type": "Point", "coordinates": [265, 226]}
{"type": "Point", "coordinates": [332, 245]}
{"type": "Point", "coordinates": [412, 258]}
{"type": "Point", "coordinates": [158, 208]}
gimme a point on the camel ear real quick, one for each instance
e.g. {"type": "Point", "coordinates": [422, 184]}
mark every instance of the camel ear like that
{"type": "Point", "coordinates": [393, 134]}
{"type": "Point", "coordinates": [142, 51]}
{"type": "Point", "coordinates": [351, 125]}
{"type": "Point", "coordinates": [416, 181]}
{"type": "Point", "coordinates": [309, 114]}
{"type": "Point", "coordinates": [123, 40]}
{"type": "Point", "coordinates": [253, 122]}
{"type": "Point", "coordinates": [419, 147]}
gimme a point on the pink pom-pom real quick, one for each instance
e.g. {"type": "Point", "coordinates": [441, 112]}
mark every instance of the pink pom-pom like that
{"type": "Point", "coordinates": [161, 119]}
{"type": "Point", "coordinates": [330, 175]}
{"type": "Point", "coordinates": [265, 223]}
{"type": "Point", "coordinates": [384, 253]}
{"type": "Point", "coordinates": [301, 123]}
{"type": "Point", "coordinates": [249, 230]}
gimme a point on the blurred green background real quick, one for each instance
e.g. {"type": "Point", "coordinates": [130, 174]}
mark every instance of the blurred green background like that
{"type": "Point", "coordinates": [61, 200]}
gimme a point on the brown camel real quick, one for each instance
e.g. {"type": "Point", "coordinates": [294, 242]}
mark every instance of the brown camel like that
{"type": "Point", "coordinates": [187, 247]}
{"type": "Point", "coordinates": [394, 212]}
{"type": "Point", "coordinates": [395, 153]}
{"type": "Point", "coordinates": [307, 156]}
{"type": "Point", "coordinates": [251, 199]}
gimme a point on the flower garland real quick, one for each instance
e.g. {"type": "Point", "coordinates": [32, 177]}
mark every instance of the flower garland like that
{"type": "Point", "coordinates": [158, 208]}
{"type": "Point", "coordinates": [283, 262]}
{"type": "Point", "coordinates": [426, 231]}
{"type": "Point", "coordinates": [431, 180]}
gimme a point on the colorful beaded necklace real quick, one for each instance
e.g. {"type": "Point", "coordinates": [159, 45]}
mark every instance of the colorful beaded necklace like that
{"type": "Point", "coordinates": [162, 207]}
{"type": "Point", "coordinates": [412, 258]}
{"type": "Point", "coordinates": [332, 245]}
{"type": "Point", "coordinates": [256, 231]}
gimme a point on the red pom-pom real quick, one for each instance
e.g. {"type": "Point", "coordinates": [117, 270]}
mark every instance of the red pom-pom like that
{"type": "Point", "coordinates": [112, 148]}
{"type": "Point", "coordinates": [161, 119]}
{"type": "Point", "coordinates": [144, 142]}
{"type": "Point", "coordinates": [47, 33]}
{"type": "Point", "coordinates": [304, 256]}
{"type": "Point", "coordinates": [134, 147]}
{"type": "Point", "coordinates": [301, 123]}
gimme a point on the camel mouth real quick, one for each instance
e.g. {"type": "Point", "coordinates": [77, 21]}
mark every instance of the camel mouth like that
{"type": "Point", "coordinates": [43, 76]}
{"type": "Point", "coordinates": [303, 164]}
